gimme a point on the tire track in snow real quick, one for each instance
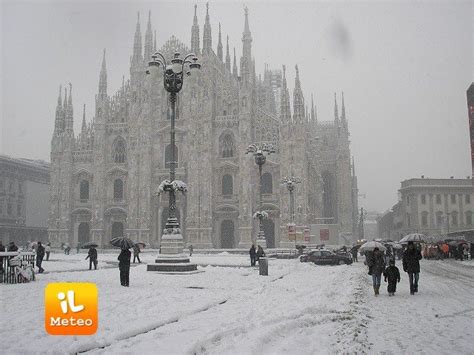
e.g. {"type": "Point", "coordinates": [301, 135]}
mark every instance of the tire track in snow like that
{"type": "Point", "coordinates": [145, 329]}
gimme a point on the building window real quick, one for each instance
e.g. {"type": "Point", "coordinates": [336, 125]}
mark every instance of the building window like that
{"type": "Point", "coordinates": [424, 219]}
{"type": "Point", "coordinates": [408, 200]}
{"type": "Point", "coordinates": [454, 218]}
{"type": "Point", "coordinates": [468, 198]}
{"type": "Point", "coordinates": [9, 209]}
{"type": "Point", "coordinates": [267, 183]}
{"type": "Point", "coordinates": [84, 190]}
{"type": "Point", "coordinates": [18, 210]}
{"type": "Point", "coordinates": [2, 185]}
{"type": "Point", "coordinates": [118, 189]}
{"type": "Point", "coordinates": [169, 158]}
{"type": "Point", "coordinates": [20, 187]}
{"type": "Point", "coordinates": [423, 199]}
{"type": "Point", "coordinates": [227, 185]}
{"type": "Point", "coordinates": [119, 151]}
{"type": "Point", "coordinates": [11, 186]}
{"type": "Point", "coordinates": [439, 219]}
{"type": "Point", "coordinates": [438, 199]}
{"type": "Point", "coordinates": [468, 218]}
{"type": "Point", "coordinates": [453, 198]}
{"type": "Point", "coordinates": [227, 146]}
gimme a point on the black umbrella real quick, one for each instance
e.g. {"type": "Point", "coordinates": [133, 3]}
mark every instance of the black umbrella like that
{"type": "Point", "coordinates": [122, 242]}
{"type": "Point", "coordinates": [89, 245]}
{"type": "Point", "coordinates": [140, 244]}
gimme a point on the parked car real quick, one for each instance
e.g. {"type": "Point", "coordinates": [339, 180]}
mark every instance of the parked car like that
{"type": "Point", "coordinates": [326, 257]}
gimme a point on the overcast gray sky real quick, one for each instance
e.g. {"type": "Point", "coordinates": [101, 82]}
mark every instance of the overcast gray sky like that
{"type": "Point", "coordinates": [404, 68]}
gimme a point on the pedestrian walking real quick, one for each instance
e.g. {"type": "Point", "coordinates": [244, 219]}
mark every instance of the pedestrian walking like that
{"type": "Point", "coordinates": [392, 275]}
{"type": "Point", "coordinates": [411, 265]}
{"type": "Point", "coordinates": [136, 254]}
{"type": "Point", "coordinates": [191, 249]}
{"type": "Point", "coordinates": [92, 256]}
{"type": "Point", "coordinates": [253, 255]}
{"type": "Point", "coordinates": [78, 247]}
{"type": "Point", "coordinates": [39, 257]}
{"type": "Point", "coordinates": [124, 267]}
{"type": "Point", "coordinates": [376, 264]}
{"type": "Point", "coordinates": [354, 252]}
{"type": "Point", "coordinates": [47, 249]}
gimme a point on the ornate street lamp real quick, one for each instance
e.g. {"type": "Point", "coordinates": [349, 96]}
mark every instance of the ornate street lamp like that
{"type": "Point", "coordinates": [260, 152]}
{"type": "Point", "coordinates": [290, 183]}
{"type": "Point", "coordinates": [172, 257]}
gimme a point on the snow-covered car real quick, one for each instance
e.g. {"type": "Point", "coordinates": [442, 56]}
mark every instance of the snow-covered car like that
{"type": "Point", "coordinates": [326, 257]}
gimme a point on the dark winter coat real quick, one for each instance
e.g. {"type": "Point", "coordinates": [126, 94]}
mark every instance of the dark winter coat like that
{"type": "Point", "coordinates": [411, 260]}
{"type": "Point", "coordinates": [392, 274]}
{"type": "Point", "coordinates": [40, 252]}
{"type": "Point", "coordinates": [376, 263]}
{"type": "Point", "coordinates": [92, 254]}
{"type": "Point", "coordinates": [252, 252]}
{"type": "Point", "coordinates": [260, 253]}
{"type": "Point", "coordinates": [124, 258]}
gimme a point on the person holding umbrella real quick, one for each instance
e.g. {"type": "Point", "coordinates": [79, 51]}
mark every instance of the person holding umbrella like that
{"type": "Point", "coordinates": [376, 264]}
{"type": "Point", "coordinates": [124, 267]}
{"type": "Point", "coordinates": [411, 265]}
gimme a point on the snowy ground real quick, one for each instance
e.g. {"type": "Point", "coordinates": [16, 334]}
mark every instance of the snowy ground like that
{"type": "Point", "coordinates": [299, 308]}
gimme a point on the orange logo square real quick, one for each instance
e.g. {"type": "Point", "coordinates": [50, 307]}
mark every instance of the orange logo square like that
{"type": "Point", "coordinates": [71, 308]}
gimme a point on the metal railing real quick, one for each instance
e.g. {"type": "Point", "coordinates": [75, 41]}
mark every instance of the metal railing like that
{"type": "Point", "coordinates": [8, 273]}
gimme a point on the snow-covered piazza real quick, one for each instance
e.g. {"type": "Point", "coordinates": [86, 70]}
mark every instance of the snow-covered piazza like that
{"type": "Point", "coordinates": [227, 308]}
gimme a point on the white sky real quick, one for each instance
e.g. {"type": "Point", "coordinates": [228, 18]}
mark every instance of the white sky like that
{"type": "Point", "coordinates": [404, 68]}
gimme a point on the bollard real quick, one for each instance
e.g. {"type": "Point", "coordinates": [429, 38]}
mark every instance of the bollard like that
{"type": "Point", "coordinates": [263, 266]}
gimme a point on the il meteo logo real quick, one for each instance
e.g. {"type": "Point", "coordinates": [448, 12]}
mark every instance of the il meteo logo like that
{"type": "Point", "coordinates": [71, 308]}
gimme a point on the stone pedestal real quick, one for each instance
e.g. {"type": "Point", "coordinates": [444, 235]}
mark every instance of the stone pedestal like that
{"type": "Point", "coordinates": [172, 258]}
{"type": "Point", "coordinates": [261, 240]}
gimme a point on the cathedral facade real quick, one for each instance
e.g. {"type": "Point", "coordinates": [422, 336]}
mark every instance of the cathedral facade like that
{"type": "Point", "coordinates": [104, 180]}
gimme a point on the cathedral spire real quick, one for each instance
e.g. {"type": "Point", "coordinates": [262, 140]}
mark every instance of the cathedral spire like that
{"type": "Point", "coordinates": [220, 54]}
{"type": "Point", "coordinates": [84, 125]}
{"type": "Point", "coordinates": [312, 109]}
{"type": "Point", "coordinates": [285, 113]}
{"type": "Point", "coordinates": [148, 40]}
{"type": "Point", "coordinates": [154, 42]}
{"type": "Point", "coordinates": [227, 55]}
{"type": "Point", "coordinates": [103, 78]}
{"type": "Point", "coordinates": [246, 61]}
{"type": "Point", "coordinates": [207, 36]}
{"type": "Point", "coordinates": [137, 42]}
{"type": "Point", "coordinates": [195, 33]}
{"type": "Point", "coordinates": [298, 100]}
{"type": "Point", "coordinates": [70, 113]}
{"type": "Point", "coordinates": [234, 68]}
{"type": "Point", "coordinates": [336, 114]}
{"type": "Point", "coordinates": [59, 123]}
{"type": "Point", "coordinates": [343, 112]}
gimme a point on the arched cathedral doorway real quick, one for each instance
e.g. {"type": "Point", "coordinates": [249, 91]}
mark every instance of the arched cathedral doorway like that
{"type": "Point", "coordinates": [269, 229]}
{"type": "Point", "coordinates": [83, 233]}
{"type": "Point", "coordinates": [227, 234]}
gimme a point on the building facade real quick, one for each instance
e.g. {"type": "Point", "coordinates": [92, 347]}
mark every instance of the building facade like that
{"type": "Point", "coordinates": [433, 207]}
{"type": "Point", "coordinates": [24, 197]}
{"type": "Point", "coordinates": [104, 180]}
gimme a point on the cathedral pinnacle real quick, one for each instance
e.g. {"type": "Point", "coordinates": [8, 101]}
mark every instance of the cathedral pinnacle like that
{"type": "Point", "coordinates": [59, 118]}
{"type": "Point", "coordinates": [69, 113]}
{"type": "Point", "coordinates": [234, 68]}
{"type": "Point", "coordinates": [137, 42]}
{"type": "Point", "coordinates": [103, 78]}
{"type": "Point", "coordinates": [84, 126]}
{"type": "Point", "coordinates": [220, 54]}
{"type": "Point", "coordinates": [285, 113]}
{"type": "Point", "coordinates": [207, 36]}
{"type": "Point", "coordinates": [343, 112]}
{"type": "Point", "coordinates": [227, 55]}
{"type": "Point", "coordinates": [336, 114]}
{"type": "Point", "coordinates": [298, 100]}
{"type": "Point", "coordinates": [195, 33]}
{"type": "Point", "coordinates": [148, 40]}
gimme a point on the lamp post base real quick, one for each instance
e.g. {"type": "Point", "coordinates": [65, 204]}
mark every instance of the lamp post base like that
{"type": "Point", "coordinates": [172, 258]}
{"type": "Point", "coordinates": [261, 240]}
